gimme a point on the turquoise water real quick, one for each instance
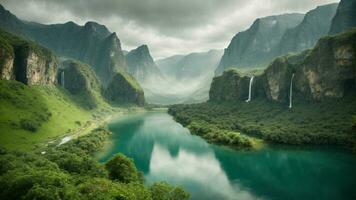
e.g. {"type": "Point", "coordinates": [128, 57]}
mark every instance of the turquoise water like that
{"type": "Point", "coordinates": [166, 151]}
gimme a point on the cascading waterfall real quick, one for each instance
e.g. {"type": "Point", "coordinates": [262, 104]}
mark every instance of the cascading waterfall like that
{"type": "Point", "coordinates": [62, 78]}
{"type": "Point", "coordinates": [291, 91]}
{"type": "Point", "coordinates": [250, 89]}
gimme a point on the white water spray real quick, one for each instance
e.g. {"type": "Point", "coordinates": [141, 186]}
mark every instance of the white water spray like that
{"type": "Point", "coordinates": [62, 78]}
{"type": "Point", "coordinates": [291, 91]}
{"type": "Point", "coordinates": [250, 89]}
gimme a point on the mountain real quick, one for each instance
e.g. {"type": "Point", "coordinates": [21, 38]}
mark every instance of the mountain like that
{"type": "Point", "coordinates": [325, 72]}
{"type": "Point", "coordinates": [190, 66]}
{"type": "Point", "coordinates": [141, 64]}
{"type": "Point", "coordinates": [256, 46]}
{"type": "Point", "coordinates": [80, 80]}
{"type": "Point", "coordinates": [186, 78]}
{"type": "Point", "coordinates": [315, 24]}
{"type": "Point", "coordinates": [307, 98]}
{"type": "Point", "coordinates": [345, 16]}
{"type": "Point", "coordinates": [92, 43]}
{"type": "Point", "coordinates": [124, 89]}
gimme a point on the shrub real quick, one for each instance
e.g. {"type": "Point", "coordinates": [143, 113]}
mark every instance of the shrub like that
{"type": "Point", "coordinates": [122, 169]}
{"type": "Point", "coordinates": [164, 191]}
{"type": "Point", "coordinates": [30, 125]}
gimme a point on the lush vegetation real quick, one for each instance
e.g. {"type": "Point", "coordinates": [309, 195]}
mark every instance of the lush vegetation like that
{"type": "Point", "coordinates": [69, 172]}
{"type": "Point", "coordinates": [327, 122]}
{"type": "Point", "coordinates": [32, 115]}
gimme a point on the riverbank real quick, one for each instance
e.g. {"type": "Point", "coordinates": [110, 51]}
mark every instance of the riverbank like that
{"type": "Point", "coordinates": [69, 171]}
{"type": "Point", "coordinates": [33, 116]}
{"type": "Point", "coordinates": [322, 123]}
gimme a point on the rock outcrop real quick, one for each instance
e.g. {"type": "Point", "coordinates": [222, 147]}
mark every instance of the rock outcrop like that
{"type": "Point", "coordinates": [327, 71]}
{"type": "Point", "coordinates": [345, 17]}
{"type": "Point", "coordinates": [80, 79]}
{"type": "Point", "coordinates": [124, 89]}
{"type": "Point", "coordinates": [231, 86]}
{"type": "Point", "coordinates": [25, 61]}
{"type": "Point", "coordinates": [7, 71]}
{"type": "Point", "coordinates": [92, 43]}
{"type": "Point", "coordinates": [141, 65]}
{"type": "Point", "coordinates": [256, 46]}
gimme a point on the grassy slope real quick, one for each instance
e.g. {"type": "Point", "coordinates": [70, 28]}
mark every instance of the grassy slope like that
{"type": "Point", "coordinates": [50, 107]}
{"type": "Point", "coordinates": [328, 122]}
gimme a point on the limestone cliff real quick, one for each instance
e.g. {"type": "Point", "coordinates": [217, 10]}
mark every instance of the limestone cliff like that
{"type": "Point", "coordinates": [91, 43]}
{"type": "Point", "coordinates": [345, 17]}
{"type": "Point", "coordinates": [256, 46]}
{"type": "Point", "coordinates": [315, 24]}
{"type": "Point", "coordinates": [141, 64]}
{"type": "Point", "coordinates": [124, 89]}
{"type": "Point", "coordinates": [26, 61]}
{"type": "Point", "coordinates": [79, 79]}
{"type": "Point", "coordinates": [327, 71]}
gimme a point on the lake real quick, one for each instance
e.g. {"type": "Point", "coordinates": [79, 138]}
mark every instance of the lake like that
{"type": "Point", "coordinates": [165, 151]}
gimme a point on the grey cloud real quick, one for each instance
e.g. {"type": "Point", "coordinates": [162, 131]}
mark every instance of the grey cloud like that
{"type": "Point", "coordinates": [167, 26]}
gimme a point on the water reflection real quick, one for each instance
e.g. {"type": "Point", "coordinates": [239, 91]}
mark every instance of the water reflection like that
{"type": "Point", "coordinates": [203, 170]}
{"type": "Point", "coordinates": [165, 151]}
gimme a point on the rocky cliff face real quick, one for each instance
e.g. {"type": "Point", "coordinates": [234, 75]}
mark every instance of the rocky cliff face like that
{"type": "Point", "coordinates": [256, 46]}
{"type": "Point", "coordinates": [25, 61]}
{"type": "Point", "coordinates": [124, 89]}
{"type": "Point", "coordinates": [91, 43]}
{"type": "Point", "coordinates": [327, 71]}
{"type": "Point", "coordinates": [231, 86]}
{"type": "Point", "coordinates": [315, 24]}
{"type": "Point", "coordinates": [6, 65]}
{"type": "Point", "coordinates": [79, 79]}
{"type": "Point", "coordinates": [345, 17]}
{"type": "Point", "coordinates": [141, 65]}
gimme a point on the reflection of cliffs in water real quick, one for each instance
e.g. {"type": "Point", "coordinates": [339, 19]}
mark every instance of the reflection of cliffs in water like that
{"type": "Point", "coordinates": [201, 169]}
{"type": "Point", "coordinates": [287, 169]}
{"type": "Point", "coordinates": [164, 150]}
{"type": "Point", "coordinates": [137, 136]}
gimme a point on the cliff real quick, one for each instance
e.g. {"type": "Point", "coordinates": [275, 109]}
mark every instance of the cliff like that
{"type": "Point", "coordinates": [327, 71]}
{"type": "Point", "coordinates": [315, 24]}
{"type": "Point", "coordinates": [92, 43]}
{"type": "Point", "coordinates": [141, 65]}
{"type": "Point", "coordinates": [256, 46]}
{"type": "Point", "coordinates": [80, 80]}
{"type": "Point", "coordinates": [26, 61]}
{"type": "Point", "coordinates": [345, 17]}
{"type": "Point", "coordinates": [124, 89]}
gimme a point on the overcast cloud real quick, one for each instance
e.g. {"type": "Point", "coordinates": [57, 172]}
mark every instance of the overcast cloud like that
{"type": "Point", "coordinates": [168, 27]}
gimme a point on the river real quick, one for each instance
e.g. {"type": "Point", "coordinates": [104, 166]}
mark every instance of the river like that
{"type": "Point", "coordinates": [165, 151]}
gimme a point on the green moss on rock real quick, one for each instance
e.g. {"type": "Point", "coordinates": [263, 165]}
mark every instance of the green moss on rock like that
{"type": "Point", "coordinates": [124, 89]}
{"type": "Point", "coordinates": [80, 80]}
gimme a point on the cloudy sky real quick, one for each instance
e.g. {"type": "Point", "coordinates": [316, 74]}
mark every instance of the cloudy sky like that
{"type": "Point", "coordinates": [168, 27]}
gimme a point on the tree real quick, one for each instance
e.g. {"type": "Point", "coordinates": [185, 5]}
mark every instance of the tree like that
{"type": "Point", "coordinates": [122, 169]}
{"type": "Point", "coordinates": [164, 191]}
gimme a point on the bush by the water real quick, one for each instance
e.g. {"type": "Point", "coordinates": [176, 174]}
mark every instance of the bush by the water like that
{"type": "Point", "coordinates": [122, 169]}
{"type": "Point", "coordinates": [69, 172]}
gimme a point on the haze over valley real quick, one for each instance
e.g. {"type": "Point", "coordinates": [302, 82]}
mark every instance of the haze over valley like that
{"type": "Point", "coordinates": [178, 100]}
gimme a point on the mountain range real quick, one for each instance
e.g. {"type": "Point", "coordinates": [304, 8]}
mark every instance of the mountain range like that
{"type": "Point", "coordinates": [272, 36]}
{"type": "Point", "coordinates": [92, 43]}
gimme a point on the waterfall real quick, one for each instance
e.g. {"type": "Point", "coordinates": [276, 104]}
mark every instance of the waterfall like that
{"type": "Point", "coordinates": [291, 91]}
{"type": "Point", "coordinates": [250, 89]}
{"type": "Point", "coordinates": [62, 78]}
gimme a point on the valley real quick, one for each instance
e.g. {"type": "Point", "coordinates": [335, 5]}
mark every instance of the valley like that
{"type": "Point", "coordinates": [154, 109]}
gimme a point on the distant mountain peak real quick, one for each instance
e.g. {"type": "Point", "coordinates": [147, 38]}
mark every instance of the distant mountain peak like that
{"type": "Point", "coordinates": [142, 52]}
{"type": "Point", "coordinates": [97, 28]}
